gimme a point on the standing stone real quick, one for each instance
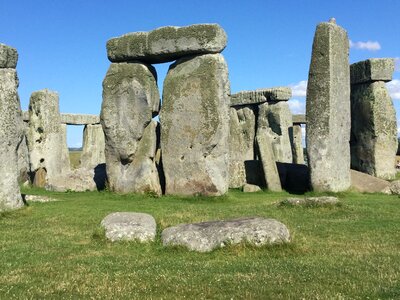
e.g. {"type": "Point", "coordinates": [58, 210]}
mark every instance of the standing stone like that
{"type": "Point", "coordinates": [280, 120]}
{"type": "Point", "coordinates": [93, 147]}
{"type": "Point", "coordinates": [241, 144]}
{"type": "Point", "coordinates": [195, 126]}
{"type": "Point", "coordinates": [11, 129]}
{"type": "Point", "coordinates": [328, 110]}
{"type": "Point", "coordinates": [374, 127]}
{"type": "Point", "coordinates": [130, 96]}
{"type": "Point", "coordinates": [265, 150]}
{"type": "Point", "coordinates": [47, 143]}
{"type": "Point", "coordinates": [23, 156]}
{"type": "Point", "coordinates": [296, 140]}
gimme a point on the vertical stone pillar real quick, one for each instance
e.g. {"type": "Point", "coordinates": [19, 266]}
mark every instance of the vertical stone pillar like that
{"type": "Point", "coordinates": [373, 118]}
{"type": "Point", "coordinates": [328, 110]}
{"type": "Point", "coordinates": [93, 146]}
{"type": "Point", "coordinates": [23, 156]}
{"type": "Point", "coordinates": [48, 151]}
{"type": "Point", "coordinates": [11, 129]}
{"type": "Point", "coordinates": [296, 139]}
{"type": "Point", "coordinates": [195, 126]}
{"type": "Point", "coordinates": [130, 96]}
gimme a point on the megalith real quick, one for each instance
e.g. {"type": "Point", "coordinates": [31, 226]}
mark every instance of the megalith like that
{"type": "Point", "coordinates": [296, 142]}
{"type": "Point", "coordinates": [93, 147]}
{"type": "Point", "coordinates": [373, 141]}
{"type": "Point", "coordinates": [23, 156]}
{"type": "Point", "coordinates": [130, 97]}
{"type": "Point", "coordinates": [47, 144]}
{"type": "Point", "coordinates": [328, 109]}
{"type": "Point", "coordinates": [195, 126]}
{"type": "Point", "coordinates": [11, 129]}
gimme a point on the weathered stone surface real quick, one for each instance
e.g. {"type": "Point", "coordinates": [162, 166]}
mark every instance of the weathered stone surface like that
{"type": "Point", "coordinates": [46, 136]}
{"type": "Point", "coordinates": [8, 57]}
{"type": "Point", "coordinates": [261, 96]}
{"type": "Point", "coordinates": [167, 43]}
{"type": "Point", "coordinates": [393, 188]}
{"type": "Point", "coordinates": [93, 147]}
{"type": "Point", "coordinates": [296, 141]}
{"type": "Point", "coordinates": [195, 126]}
{"type": "Point", "coordinates": [328, 110]}
{"type": "Point", "coordinates": [251, 188]}
{"type": "Point", "coordinates": [279, 119]}
{"type": "Point", "coordinates": [207, 236]}
{"type": "Point", "coordinates": [241, 143]}
{"type": "Point", "coordinates": [23, 156]}
{"type": "Point", "coordinates": [299, 119]}
{"type": "Point", "coordinates": [38, 198]}
{"type": "Point", "coordinates": [373, 69]}
{"type": "Point", "coordinates": [39, 180]}
{"type": "Point", "coordinates": [373, 141]}
{"type": "Point", "coordinates": [129, 226]}
{"type": "Point", "coordinates": [78, 180]}
{"type": "Point", "coordinates": [311, 201]}
{"type": "Point", "coordinates": [11, 131]}
{"type": "Point", "coordinates": [79, 119]}
{"type": "Point", "coordinates": [130, 96]}
{"type": "Point", "coordinates": [365, 183]}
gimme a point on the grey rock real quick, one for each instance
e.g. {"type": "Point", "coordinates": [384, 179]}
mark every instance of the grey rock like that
{"type": "Point", "coordinates": [11, 129]}
{"type": "Point", "coordinates": [8, 57]}
{"type": "Point", "coordinates": [23, 157]}
{"type": "Point", "coordinates": [251, 188]}
{"type": "Point", "coordinates": [328, 110]}
{"type": "Point", "coordinates": [373, 141]}
{"type": "Point", "coordinates": [130, 96]}
{"type": "Point", "coordinates": [296, 141]}
{"type": "Point", "coordinates": [207, 236]}
{"type": "Point", "coordinates": [195, 126]}
{"type": "Point", "coordinates": [79, 119]}
{"type": "Point", "coordinates": [373, 69]}
{"type": "Point", "coordinates": [261, 96]}
{"type": "Point", "coordinates": [241, 143]}
{"type": "Point", "coordinates": [129, 226]}
{"type": "Point", "coordinates": [311, 201]}
{"type": "Point", "coordinates": [78, 180]}
{"type": "Point", "coordinates": [299, 119]}
{"type": "Point", "coordinates": [167, 43]}
{"type": "Point", "coordinates": [39, 198]}
{"type": "Point", "coordinates": [93, 147]}
{"type": "Point", "coordinates": [394, 187]}
{"type": "Point", "coordinates": [365, 183]}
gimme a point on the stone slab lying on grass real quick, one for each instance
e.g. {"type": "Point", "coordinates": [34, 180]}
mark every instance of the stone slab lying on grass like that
{"type": "Point", "coordinates": [365, 183]}
{"type": "Point", "coordinates": [319, 201]}
{"type": "Point", "coordinates": [251, 188]}
{"type": "Point", "coordinates": [207, 236]}
{"type": "Point", "coordinates": [129, 226]}
{"type": "Point", "coordinates": [393, 188]}
{"type": "Point", "coordinates": [38, 198]}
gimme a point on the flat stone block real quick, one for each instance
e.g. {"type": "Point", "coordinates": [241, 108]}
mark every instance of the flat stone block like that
{"type": "Point", "coordinates": [80, 119]}
{"type": "Point", "coordinates": [373, 69]}
{"type": "Point", "coordinates": [261, 95]}
{"type": "Point", "coordinates": [8, 57]}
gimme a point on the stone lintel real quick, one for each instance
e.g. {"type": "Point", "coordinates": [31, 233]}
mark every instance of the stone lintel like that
{"type": "Point", "coordinates": [299, 119]}
{"type": "Point", "coordinates": [373, 69]}
{"type": "Point", "coordinates": [71, 119]}
{"type": "Point", "coordinates": [261, 95]}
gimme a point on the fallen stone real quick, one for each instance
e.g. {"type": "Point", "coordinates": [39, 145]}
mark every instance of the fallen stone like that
{"type": "Point", "coordinates": [11, 132]}
{"type": "Point", "coordinates": [8, 57]}
{"type": "Point", "coordinates": [311, 201]}
{"type": "Point", "coordinates": [80, 119]}
{"type": "Point", "coordinates": [38, 198]}
{"type": "Point", "coordinates": [195, 126]}
{"type": "Point", "coordinates": [78, 180]}
{"type": "Point", "coordinates": [261, 95]}
{"type": "Point", "coordinates": [393, 188]}
{"type": "Point", "coordinates": [93, 147]}
{"type": "Point", "coordinates": [167, 43]}
{"type": "Point", "coordinates": [129, 226]}
{"type": "Point", "coordinates": [328, 110]}
{"type": "Point", "coordinates": [373, 69]}
{"type": "Point", "coordinates": [251, 188]}
{"type": "Point", "coordinates": [130, 96]}
{"type": "Point", "coordinates": [373, 141]}
{"type": "Point", "coordinates": [365, 183]}
{"type": "Point", "coordinates": [47, 142]}
{"type": "Point", "coordinates": [207, 236]}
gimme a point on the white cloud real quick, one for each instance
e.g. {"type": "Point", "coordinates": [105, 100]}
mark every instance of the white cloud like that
{"type": "Point", "coordinates": [368, 45]}
{"type": "Point", "coordinates": [299, 89]}
{"type": "Point", "coordinates": [394, 89]}
{"type": "Point", "coordinates": [297, 106]}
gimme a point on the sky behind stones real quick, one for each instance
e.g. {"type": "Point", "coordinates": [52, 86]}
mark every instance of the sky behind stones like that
{"type": "Point", "coordinates": [61, 44]}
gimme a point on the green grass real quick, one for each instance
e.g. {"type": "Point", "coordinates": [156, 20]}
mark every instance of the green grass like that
{"type": "Point", "coordinates": [74, 157]}
{"type": "Point", "coordinates": [57, 250]}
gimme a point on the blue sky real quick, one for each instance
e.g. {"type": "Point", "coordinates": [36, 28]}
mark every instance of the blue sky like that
{"type": "Point", "coordinates": [61, 44]}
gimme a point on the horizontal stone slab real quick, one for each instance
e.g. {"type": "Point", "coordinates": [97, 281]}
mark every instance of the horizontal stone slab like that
{"type": "Point", "coordinates": [299, 119]}
{"type": "Point", "coordinates": [167, 43]}
{"type": "Point", "coordinates": [373, 69]}
{"type": "Point", "coordinates": [261, 96]}
{"type": "Point", "coordinates": [8, 57]}
{"type": "Point", "coordinates": [71, 119]}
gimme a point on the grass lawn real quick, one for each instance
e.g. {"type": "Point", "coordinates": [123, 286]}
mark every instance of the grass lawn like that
{"type": "Point", "coordinates": [56, 250]}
